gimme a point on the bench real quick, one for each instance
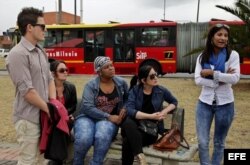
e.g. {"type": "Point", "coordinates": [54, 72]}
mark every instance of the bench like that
{"type": "Point", "coordinates": [166, 157]}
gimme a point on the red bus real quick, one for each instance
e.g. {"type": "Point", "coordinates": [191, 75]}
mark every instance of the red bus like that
{"type": "Point", "coordinates": [128, 45]}
{"type": "Point", "coordinates": [245, 61]}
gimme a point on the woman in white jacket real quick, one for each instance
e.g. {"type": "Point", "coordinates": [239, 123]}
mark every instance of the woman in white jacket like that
{"type": "Point", "coordinates": [217, 69]}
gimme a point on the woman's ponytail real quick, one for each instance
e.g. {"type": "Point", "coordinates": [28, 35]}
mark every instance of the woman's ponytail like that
{"type": "Point", "coordinates": [133, 81]}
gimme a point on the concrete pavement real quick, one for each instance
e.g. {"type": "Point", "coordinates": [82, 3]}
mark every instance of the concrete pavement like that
{"type": "Point", "coordinates": [9, 153]}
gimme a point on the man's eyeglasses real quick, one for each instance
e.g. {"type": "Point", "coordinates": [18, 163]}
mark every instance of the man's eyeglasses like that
{"type": "Point", "coordinates": [219, 25]}
{"type": "Point", "coordinates": [153, 76]}
{"type": "Point", "coordinates": [42, 26]}
{"type": "Point", "coordinates": [62, 70]}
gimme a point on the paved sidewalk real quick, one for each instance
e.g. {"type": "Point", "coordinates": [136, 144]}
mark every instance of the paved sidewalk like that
{"type": "Point", "coordinates": [9, 152]}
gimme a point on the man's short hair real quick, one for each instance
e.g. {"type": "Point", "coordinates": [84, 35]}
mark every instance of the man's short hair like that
{"type": "Point", "coordinates": [28, 15]}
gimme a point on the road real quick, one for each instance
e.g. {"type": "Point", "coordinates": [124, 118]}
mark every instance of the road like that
{"type": "Point", "coordinates": [170, 75]}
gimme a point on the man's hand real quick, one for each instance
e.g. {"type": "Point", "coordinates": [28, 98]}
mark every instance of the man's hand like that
{"type": "Point", "coordinates": [47, 111]}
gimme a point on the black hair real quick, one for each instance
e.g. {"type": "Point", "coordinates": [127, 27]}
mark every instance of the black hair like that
{"type": "Point", "coordinates": [28, 15]}
{"type": "Point", "coordinates": [54, 64]}
{"type": "Point", "coordinates": [133, 81]}
{"type": "Point", "coordinates": [142, 74]}
{"type": "Point", "coordinates": [204, 58]}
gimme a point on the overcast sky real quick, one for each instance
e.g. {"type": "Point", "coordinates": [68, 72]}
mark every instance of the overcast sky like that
{"type": "Point", "coordinates": [102, 11]}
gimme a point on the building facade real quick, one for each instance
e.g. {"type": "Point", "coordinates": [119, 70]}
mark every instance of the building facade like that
{"type": "Point", "coordinates": [66, 18]}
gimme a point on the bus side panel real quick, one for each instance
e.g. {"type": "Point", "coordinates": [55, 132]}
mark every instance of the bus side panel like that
{"type": "Point", "coordinates": [166, 56]}
{"type": "Point", "coordinates": [73, 58]}
{"type": "Point", "coordinates": [245, 66]}
{"type": "Point", "coordinates": [127, 68]}
{"type": "Point", "coordinates": [109, 53]}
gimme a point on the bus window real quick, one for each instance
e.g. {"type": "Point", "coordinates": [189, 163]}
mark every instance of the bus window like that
{"type": "Point", "coordinates": [99, 43]}
{"type": "Point", "coordinates": [157, 36]}
{"type": "Point", "coordinates": [171, 36]}
{"type": "Point", "coordinates": [145, 38]}
{"type": "Point", "coordinates": [130, 45]}
{"type": "Point", "coordinates": [94, 45]}
{"type": "Point", "coordinates": [52, 37]}
{"type": "Point", "coordinates": [162, 38]}
{"type": "Point", "coordinates": [118, 45]}
{"type": "Point", "coordinates": [64, 38]}
{"type": "Point", "coordinates": [124, 45]}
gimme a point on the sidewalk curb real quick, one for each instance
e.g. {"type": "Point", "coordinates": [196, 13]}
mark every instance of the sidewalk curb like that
{"type": "Point", "coordinates": [9, 152]}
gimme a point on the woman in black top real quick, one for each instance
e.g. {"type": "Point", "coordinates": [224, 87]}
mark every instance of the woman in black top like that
{"type": "Point", "coordinates": [65, 91]}
{"type": "Point", "coordinates": [145, 101]}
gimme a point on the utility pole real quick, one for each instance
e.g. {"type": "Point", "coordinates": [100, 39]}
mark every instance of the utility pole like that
{"type": "Point", "coordinates": [164, 9]}
{"type": "Point", "coordinates": [75, 13]}
{"type": "Point", "coordinates": [59, 21]}
{"type": "Point", "coordinates": [197, 21]}
{"type": "Point", "coordinates": [198, 9]}
{"type": "Point", "coordinates": [81, 11]}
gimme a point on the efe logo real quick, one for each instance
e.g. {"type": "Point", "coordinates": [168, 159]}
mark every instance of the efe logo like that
{"type": "Point", "coordinates": [239, 156]}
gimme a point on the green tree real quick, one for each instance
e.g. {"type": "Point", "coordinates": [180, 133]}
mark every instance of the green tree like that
{"type": "Point", "coordinates": [240, 35]}
{"type": "Point", "coordinates": [241, 10]}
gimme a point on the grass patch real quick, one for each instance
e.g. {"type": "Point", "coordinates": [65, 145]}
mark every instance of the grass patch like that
{"type": "Point", "coordinates": [184, 89]}
{"type": "Point", "coordinates": [2, 63]}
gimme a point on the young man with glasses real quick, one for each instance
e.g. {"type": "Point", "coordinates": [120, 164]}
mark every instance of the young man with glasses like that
{"type": "Point", "coordinates": [28, 68]}
{"type": "Point", "coordinates": [145, 101]}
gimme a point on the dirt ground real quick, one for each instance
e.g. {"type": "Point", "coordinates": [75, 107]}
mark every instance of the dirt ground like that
{"type": "Point", "coordinates": [185, 91]}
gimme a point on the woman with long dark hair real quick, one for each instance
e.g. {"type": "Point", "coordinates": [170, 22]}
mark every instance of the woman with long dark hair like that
{"type": "Point", "coordinates": [66, 94]}
{"type": "Point", "coordinates": [65, 90]}
{"type": "Point", "coordinates": [145, 101]}
{"type": "Point", "coordinates": [217, 69]}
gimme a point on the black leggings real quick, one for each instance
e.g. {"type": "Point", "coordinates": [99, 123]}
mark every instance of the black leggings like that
{"type": "Point", "coordinates": [133, 141]}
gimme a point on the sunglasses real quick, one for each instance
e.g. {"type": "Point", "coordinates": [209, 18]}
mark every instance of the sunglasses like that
{"type": "Point", "coordinates": [42, 26]}
{"type": "Point", "coordinates": [219, 25]}
{"type": "Point", "coordinates": [153, 76]}
{"type": "Point", "coordinates": [62, 70]}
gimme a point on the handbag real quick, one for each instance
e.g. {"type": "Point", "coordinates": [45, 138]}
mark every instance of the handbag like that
{"type": "Point", "coordinates": [148, 127]}
{"type": "Point", "coordinates": [170, 140]}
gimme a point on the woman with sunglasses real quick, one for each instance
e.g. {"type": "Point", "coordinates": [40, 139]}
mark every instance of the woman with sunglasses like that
{"type": "Point", "coordinates": [217, 69]}
{"type": "Point", "coordinates": [65, 93]}
{"type": "Point", "coordinates": [145, 101]}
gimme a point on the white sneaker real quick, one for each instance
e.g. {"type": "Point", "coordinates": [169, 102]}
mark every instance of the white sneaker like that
{"type": "Point", "coordinates": [141, 159]}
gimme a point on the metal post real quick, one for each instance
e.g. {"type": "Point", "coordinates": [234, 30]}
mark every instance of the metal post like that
{"type": "Point", "coordinates": [81, 11]}
{"type": "Point", "coordinates": [75, 13]}
{"type": "Point", "coordinates": [198, 9]}
{"type": "Point", "coordinates": [59, 21]}
{"type": "Point", "coordinates": [164, 9]}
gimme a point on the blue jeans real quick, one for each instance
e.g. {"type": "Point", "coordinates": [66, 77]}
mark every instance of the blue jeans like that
{"type": "Point", "coordinates": [223, 117]}
{"type": "Point", "coordinates": [88, 132]}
